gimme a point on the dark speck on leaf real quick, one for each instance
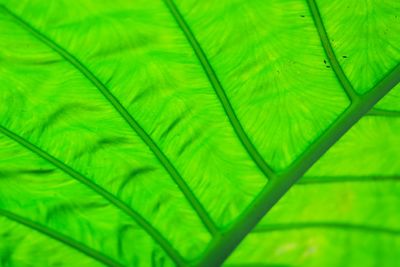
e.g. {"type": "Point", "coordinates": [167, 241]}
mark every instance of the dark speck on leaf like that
{"type": "Point", "coordinates": [328, 67]}
{"type": "Point", "coordinates": [324, 61]}
{"type": "Point", "coordinates": [302, 16]}
{"type": "Point", "coordinates": [344, 56]}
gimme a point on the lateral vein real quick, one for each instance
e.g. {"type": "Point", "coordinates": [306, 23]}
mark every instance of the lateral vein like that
{"type": "Point", "coordinates": [306, 180]}
{"type": "Point", "coordinates": [162, 158]}
{"type": "Point", "coordinates": [96, 255]}
{"type": "Point", "coordinates": [344, 81]}
{"type": "Point", "coordinates": [256, 264]}
{"type": "Point", "coordinates": [332, 225]}
{"type": "Point", "coordinates": [376, 112]}
{"type": "Point", "coordinates": [219, 90]}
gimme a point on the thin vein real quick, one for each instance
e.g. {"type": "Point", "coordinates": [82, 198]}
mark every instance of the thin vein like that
{"type": "Point", "coordinates": [255, 265]}
{"type": "Point", "coordinates": [194, 202]}
{"type": "Point", "coordinates": [347, 178]}
{"type": "Point", "coordinates": [344, 81]}
{"type": "Point", "coordinates": [96, 255]}
{"type": "Point", "coordinates": [221, 247]}
{"type": "Point", "coordinates": [376, 112]}
{"type": "Point", "coordinates": [327, 225]}
{"type": "Point", "coordinates": [219, 90]}
{"type": "Point", "coordinates": [99, 190]}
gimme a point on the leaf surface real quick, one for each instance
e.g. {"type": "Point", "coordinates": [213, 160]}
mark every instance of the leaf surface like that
{"type": "Point", "coordinates": [137, 133]}
{"type": "Point", "coordinates": [343, 212]}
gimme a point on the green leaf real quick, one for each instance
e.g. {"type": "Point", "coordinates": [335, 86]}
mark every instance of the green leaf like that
{"type": "Point", "coordinates": [344, 211]}
{"type": "Point", "coordinates": [137, 133]}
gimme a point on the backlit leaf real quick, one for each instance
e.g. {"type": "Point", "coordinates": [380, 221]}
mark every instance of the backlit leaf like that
{"type": "Point", "coordinates": [158, 133]}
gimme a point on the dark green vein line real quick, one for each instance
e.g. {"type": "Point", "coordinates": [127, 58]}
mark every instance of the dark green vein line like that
{"type": "Point", "coordinates": [327, 225]}
{"type": "Point", "coordinates": [348, 88]}
{"type": "Point", "coordinates": [194, 202]}
{"type": "Point", "coordinates": [255, 265]}
{"type": "Point", "coordinates": [221, 247]}
{"type": "Point", "coordinates": [99, 190]}
{"type": "Point", "coordinates": [306, 180]}
{"type": "Point", "coordinates": [219, 90]}
{"type": "Point", "coordinates": [61, 238]}
{"type": "Point", "coordinates": [376, 112]}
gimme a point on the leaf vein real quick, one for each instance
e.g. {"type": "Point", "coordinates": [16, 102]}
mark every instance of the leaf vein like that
{"type": "Point", "coordinates": [219, 90]}
{"type": "Point", "coordinates": [332, 225]}
{"type": "Point", "coordinates": [376, 112]}
{"type": "Point", "coordinates": [337, 69]}
{"type": "Point", "coordinates": [346, 178]}
{"type": "Point", "coordinates": [98, 256]}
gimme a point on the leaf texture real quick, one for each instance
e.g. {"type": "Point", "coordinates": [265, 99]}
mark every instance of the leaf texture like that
{"type": "Point", "coordinates": [158, 133]}
{"type": "Point", "coordinates": [348, 200]}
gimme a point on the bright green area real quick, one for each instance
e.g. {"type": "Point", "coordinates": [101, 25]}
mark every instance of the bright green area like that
{"type": "Point", "coordinates": [157, 133]}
